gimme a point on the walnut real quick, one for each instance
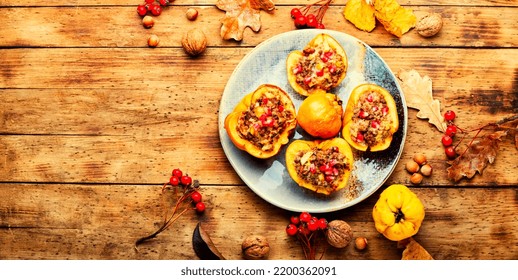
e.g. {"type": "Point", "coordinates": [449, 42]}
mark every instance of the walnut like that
{"type": "Point", "coordinates": [255, 247]}
{"type": "Point", "coordinates": [429, 25]}
{"type": "Point", "coordinates": [339, 234]}
{"type": "Point", "coordinates": [194, 42]}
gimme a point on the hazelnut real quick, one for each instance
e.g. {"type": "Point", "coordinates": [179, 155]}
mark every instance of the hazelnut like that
{"type": "Point", "coordinates": [360, 243]}
{"type": "Point", "coordinates": [194, 42]}
{"type": "Point", "coordinates": [148, 21]}
{"type": "Point", "coordinates": [426, 170]}
{"type": "Point", "coordinates": [412, 167]}
{"type": "Point", "coordinates": [420, 159]}
{"type": "Point", "coordinates": [191, 14]}
{"type": "Point", "coordinates": [429, 25]}
{"type": "Point", "coordinates": [255, 247]}
{"type": "Point", "coordinates": [339, 234]}
{"type": "Point", "coordinates": [153, 41]}
{"type": "Point", "coordinates": [416, 178]}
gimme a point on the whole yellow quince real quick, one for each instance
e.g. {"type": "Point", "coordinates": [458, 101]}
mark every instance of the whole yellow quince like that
{"type": "Point", "coordinates": [398, 213]}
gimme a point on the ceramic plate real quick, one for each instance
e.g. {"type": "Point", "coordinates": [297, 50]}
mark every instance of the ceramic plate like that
{"type": "Point", "coordinates": [269, 178]}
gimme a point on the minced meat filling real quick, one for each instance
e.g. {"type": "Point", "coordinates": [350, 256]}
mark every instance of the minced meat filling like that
{"type": "Point", "coordinates": [320, 67]}
{"type": "Point", "coordinates": [371, 122]}
{"type": "Point", "coordinates": [321, 168]}
{"type": "Point", "coordinates": [264, 122]}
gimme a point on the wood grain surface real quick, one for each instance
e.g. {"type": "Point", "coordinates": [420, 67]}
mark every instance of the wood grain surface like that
{"type": "Point", "coordinates": [92, 121]}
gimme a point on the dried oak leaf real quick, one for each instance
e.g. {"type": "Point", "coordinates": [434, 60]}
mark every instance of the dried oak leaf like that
{"type": "Point", "coordinates": [396, 19]}
{"type": "Point", "coordinates": [476, 158]}
{"type": "Point", "coordinates": [418, 95]}
{"type": "Point", "coordinates": [361, 14]}
{"type": "Point", "coordinates": [241, 14]}
{"type": "Point", "coordinates": [413, 250]}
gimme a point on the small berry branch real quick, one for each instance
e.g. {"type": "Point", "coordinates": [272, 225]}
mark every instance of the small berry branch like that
{"type": "Point", "coordinates": [186, 191]}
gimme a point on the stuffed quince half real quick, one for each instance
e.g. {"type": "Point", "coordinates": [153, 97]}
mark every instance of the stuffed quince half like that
{"type": "Point", "coordinates": [321, 65]}
{"type": "Point", "coordinates": [370, 118]}
{"type": "Point", "coordinates": [323, 166]}
{"type": "Point", "coordinates": [262, 122]}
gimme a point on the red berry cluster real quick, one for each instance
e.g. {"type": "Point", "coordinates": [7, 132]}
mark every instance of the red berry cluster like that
{"type": "Point", "coordinates": [310, 16]}
{"type": "Point", "coordinates": [184, 180]}
{"type": "Point", "coordinates": [449, 134]}
{"type": "Point", "coordinates": [305, 224]}
{"type": "Point", "coordinates": [153, 7]}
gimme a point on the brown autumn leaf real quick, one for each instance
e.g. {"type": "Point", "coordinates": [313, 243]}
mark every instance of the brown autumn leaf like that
{"type": "Point", "coordinates": [241, 14]}
{"type": "Point", "coordinates": [418, 95]}
{"type": "Point", "coordinates": [476, 158]}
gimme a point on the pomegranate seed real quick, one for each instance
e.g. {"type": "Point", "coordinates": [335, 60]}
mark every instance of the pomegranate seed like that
{"type": "Point", "coordinates": [375, 124]}
{"type": "Point", "coordinates": [370, 98]}
{"type": "Point", "coordinates": [307, 80]}
{"type": "Point", "coordinates": [451, 130]}
{"type": "Point", "coordinates": [320, 72]}
{"type": "Point", "coordinates": [447, 140]}
{"type": "Point", "coordinates": [384, 110]}
{"type": "Point", "coordinates": [332, 68]}
{"type": "Point", "coordinates": [324, 58]}
{"type": "Point", "coordinates": [363, 114]}
{"type": "Point", "coordinates": [280, 108]}
{"type": "Point", "coordinates": [297, 69]}
{"type": "Point", "coordinates": [359, 137]}
{"type": "Point", "coordinates": [141, 10]}
{"type": "Point", "coordinates": [186, 180]}
{"type": "Point", "coordinates": [312, 225]}
{"type": "Point", "coordinates": [449, 115]}
{"type": "Point", "coordinates": [329, 178]}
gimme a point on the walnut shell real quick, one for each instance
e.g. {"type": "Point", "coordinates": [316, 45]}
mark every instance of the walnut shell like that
{"type": "Point", "coordinates": [194, 42]}
{"type": "Point", "coordinates": [255, 247]}
{"type": "Point", "coordinates": [429, 25]}
{"type": "Point", "coordinates": [339, 234]}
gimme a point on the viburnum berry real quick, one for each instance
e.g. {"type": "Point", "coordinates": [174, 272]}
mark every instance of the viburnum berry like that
{"type": "Point", "coordinates": [163, 2]}
{"type": "Point", "coordinates": [141, 10]}
{"type": "Point", "coordinates": [174, 181]}
{"type": "Point", "coordinates": [150, 1]}
{"type": "Point", "coordinates": [451, 130]}
{"type": "Point", "coordinates": [196, 197]}
{"type": "Point", "coordinates": [177, 173]}
{"type": "Point", "coordinates": [200, 207]}
{"type": "Point", "coordinates": [305, 217]}
{"type": "Point", "coordinates": [450, 152]}
{"type": "Point", "coordinates": [292, 230]}
{"type": "Point", "coordinates": [447, 140]}
{"type": "Point", "coordinates": [186, 180]}
{"type": "Point", "coordinates": [295, 220]}
{"type": "Point", "coordinates": [449, 115]}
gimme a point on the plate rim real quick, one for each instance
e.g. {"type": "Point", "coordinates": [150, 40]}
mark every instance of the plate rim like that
{"type": "Point", "coordinates": [346, 204]}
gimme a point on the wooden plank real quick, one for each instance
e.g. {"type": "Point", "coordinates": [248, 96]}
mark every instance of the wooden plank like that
{"type": "Point", "coordinates": [103, 221]}
{"type": "Point", "coordinates": [126, 159]}
{"type": "Point", "coordinates": [278, 3]}
{"type": "Point", "coordinates": [137, 145]}
{"type": "Point", "coordinates": [73, 27]}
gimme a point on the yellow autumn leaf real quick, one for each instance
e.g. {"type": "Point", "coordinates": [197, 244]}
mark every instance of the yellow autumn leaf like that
{"type": "Point", "coordinates": [396, 19]}
{"type": "Point", "coordinates": [418, 95]}
{"type": "Point", "coordinates": [361, 14]}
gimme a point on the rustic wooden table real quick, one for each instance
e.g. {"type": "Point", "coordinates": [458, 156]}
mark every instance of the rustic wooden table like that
{"type": "Point", "coordinates": [92, 121]}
